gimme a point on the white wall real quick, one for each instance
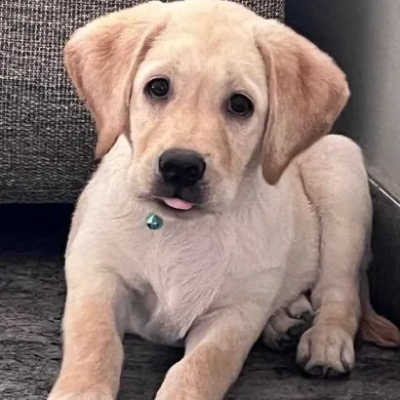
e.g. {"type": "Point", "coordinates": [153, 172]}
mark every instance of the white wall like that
{"type": "Point", "coordinates": [364, 37]}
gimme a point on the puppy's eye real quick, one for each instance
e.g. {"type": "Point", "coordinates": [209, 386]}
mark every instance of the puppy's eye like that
{"type": "Point", "coordinates": [158, 88]}
{"type": "Point", "coordinates": [240, 105]}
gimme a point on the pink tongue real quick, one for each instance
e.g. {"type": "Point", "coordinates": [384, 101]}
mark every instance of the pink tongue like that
{"type": "Point", "coordinates": [178, 204]}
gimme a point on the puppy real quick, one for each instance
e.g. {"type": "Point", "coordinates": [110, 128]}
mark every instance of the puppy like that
{"type": "Point", "coordinates": [212, 118]}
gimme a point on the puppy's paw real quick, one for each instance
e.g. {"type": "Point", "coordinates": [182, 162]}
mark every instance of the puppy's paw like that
{"type": "Point", "coordinates": [286, 326]}
{"type": "Point", "coordinates": [177, 384]}
{"type": "Point", "coordinates": [86, 395]}
{"type": "Point", "coordinates": [326, 351]}
{"type": "Point", "coordinates": [172, 392]}
{"type": "Point", "coordinates": [80, 396]}
{"type": "Point", "coordinates": [175, 395]}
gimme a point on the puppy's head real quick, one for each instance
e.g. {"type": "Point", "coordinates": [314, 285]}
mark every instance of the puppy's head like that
{"type": "Point", "coordinates": [206, 92]}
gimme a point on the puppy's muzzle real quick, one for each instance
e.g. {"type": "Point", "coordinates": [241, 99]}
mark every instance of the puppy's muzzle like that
{"type": "Point", "coordinates": [180, 180]}
{"type": "Point", "coordinates": [181, 168]}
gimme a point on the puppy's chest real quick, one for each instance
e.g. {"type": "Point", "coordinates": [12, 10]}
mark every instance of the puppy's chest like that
{"type": "Point", "coordinates": [188, 273]}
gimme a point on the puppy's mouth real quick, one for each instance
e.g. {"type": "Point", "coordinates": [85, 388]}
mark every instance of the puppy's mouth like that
{"type": "Point", "coordinates": [175, 200]}
{"type": "Point", "coordinates": [177, 207]}
{"type": "Point", "coordinates": [177, 203]}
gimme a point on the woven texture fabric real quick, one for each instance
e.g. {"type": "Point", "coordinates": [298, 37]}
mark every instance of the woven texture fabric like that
{"type": "Point", "coordinates": [46, 135]}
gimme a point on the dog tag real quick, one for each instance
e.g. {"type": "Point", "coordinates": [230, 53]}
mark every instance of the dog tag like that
{"type": "Point", "coordinates": [154, 222]}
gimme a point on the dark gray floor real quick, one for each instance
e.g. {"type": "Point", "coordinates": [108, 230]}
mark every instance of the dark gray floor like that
{"type": "Point", "coordinates": [32, 293]}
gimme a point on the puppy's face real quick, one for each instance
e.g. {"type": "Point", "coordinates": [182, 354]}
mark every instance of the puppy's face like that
{"type": "Point", "coordinates": [207, 92]}
{"type": "Point", "coordinates": [197, 116]}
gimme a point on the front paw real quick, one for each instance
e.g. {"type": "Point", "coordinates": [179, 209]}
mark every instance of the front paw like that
{"type": "Point", "coordinates": [92, 394]}
{"type": "Point", "coordinates": [177, 385]}
{"type": "Point", "coordinates": [326, 351]}
{"type": "Point", "coordinates": [176, 393]}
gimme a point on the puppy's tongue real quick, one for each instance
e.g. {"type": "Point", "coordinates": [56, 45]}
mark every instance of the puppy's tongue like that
{"type": "Point", "coordinates": [178, 204]}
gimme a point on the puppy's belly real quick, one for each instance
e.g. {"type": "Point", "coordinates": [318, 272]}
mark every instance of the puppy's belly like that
{"type": "Point", "coordinates": [164, 314]}
{"type": "Point", "coordinates": [154, 320]}
{"type": "Point", "coordinates": [297, 281]}
{"type": "Point", "coordinates": [156, 327]}
{"type": "Point", "coordinates": [302, 261]}
{"type": "Point", "coordinates": [167, 317]}
{"type": "Point", "coordinates": [151, 319]}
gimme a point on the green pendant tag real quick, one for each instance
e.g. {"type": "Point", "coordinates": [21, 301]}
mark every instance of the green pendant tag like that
{"type": "Point", "coordinates": [154, 222]}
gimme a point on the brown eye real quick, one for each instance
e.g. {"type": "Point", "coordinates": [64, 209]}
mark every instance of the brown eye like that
{"type": "Point", "coordinates": [240, 105]}
{"type": "Point", "coordinates": [158, 88]}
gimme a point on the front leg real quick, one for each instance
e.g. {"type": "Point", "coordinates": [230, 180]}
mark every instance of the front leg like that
{"type": "Point", "coordinates": [92, 348]}
{"type": "Point", "coordinates": [216, 349]}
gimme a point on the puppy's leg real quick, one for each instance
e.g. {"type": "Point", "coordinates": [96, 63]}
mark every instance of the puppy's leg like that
{"type": "Point", "coordinates": [215, 351]}
{"type": "Point", "coordinates": [336, 183]}
{"type": "Point", "coordinates": [92, 349]}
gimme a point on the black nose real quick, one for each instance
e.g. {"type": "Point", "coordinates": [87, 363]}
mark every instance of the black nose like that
{"type": "Point", "coordinates": [181, 167]}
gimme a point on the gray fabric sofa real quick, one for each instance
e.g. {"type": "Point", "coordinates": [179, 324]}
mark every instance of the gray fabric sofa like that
{"type": "Point", "coordinates": [46, 136]}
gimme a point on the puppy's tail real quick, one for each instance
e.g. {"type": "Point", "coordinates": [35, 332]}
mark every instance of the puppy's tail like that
{"type": "Point", "coordinates": [373, 327]}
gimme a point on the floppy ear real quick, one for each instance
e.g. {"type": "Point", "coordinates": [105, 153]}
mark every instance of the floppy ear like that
{"type": "Point", "coordinates": [102, 58]}
{"type": "Point", "coordinates": [307, 92]}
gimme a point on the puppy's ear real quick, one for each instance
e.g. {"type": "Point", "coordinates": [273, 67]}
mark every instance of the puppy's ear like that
{"type": "Point", "coordinates": [102, 58]}
{"type": "Point", "coordinates": [307, 92]}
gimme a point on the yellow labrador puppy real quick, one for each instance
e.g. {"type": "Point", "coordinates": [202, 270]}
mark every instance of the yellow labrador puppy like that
{"type": "Point", "coordinates": [214, 117]}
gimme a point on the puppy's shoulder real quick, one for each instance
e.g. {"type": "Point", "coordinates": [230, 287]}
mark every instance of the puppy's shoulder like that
{"type": "Point", "coordinates": [105, 196]}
